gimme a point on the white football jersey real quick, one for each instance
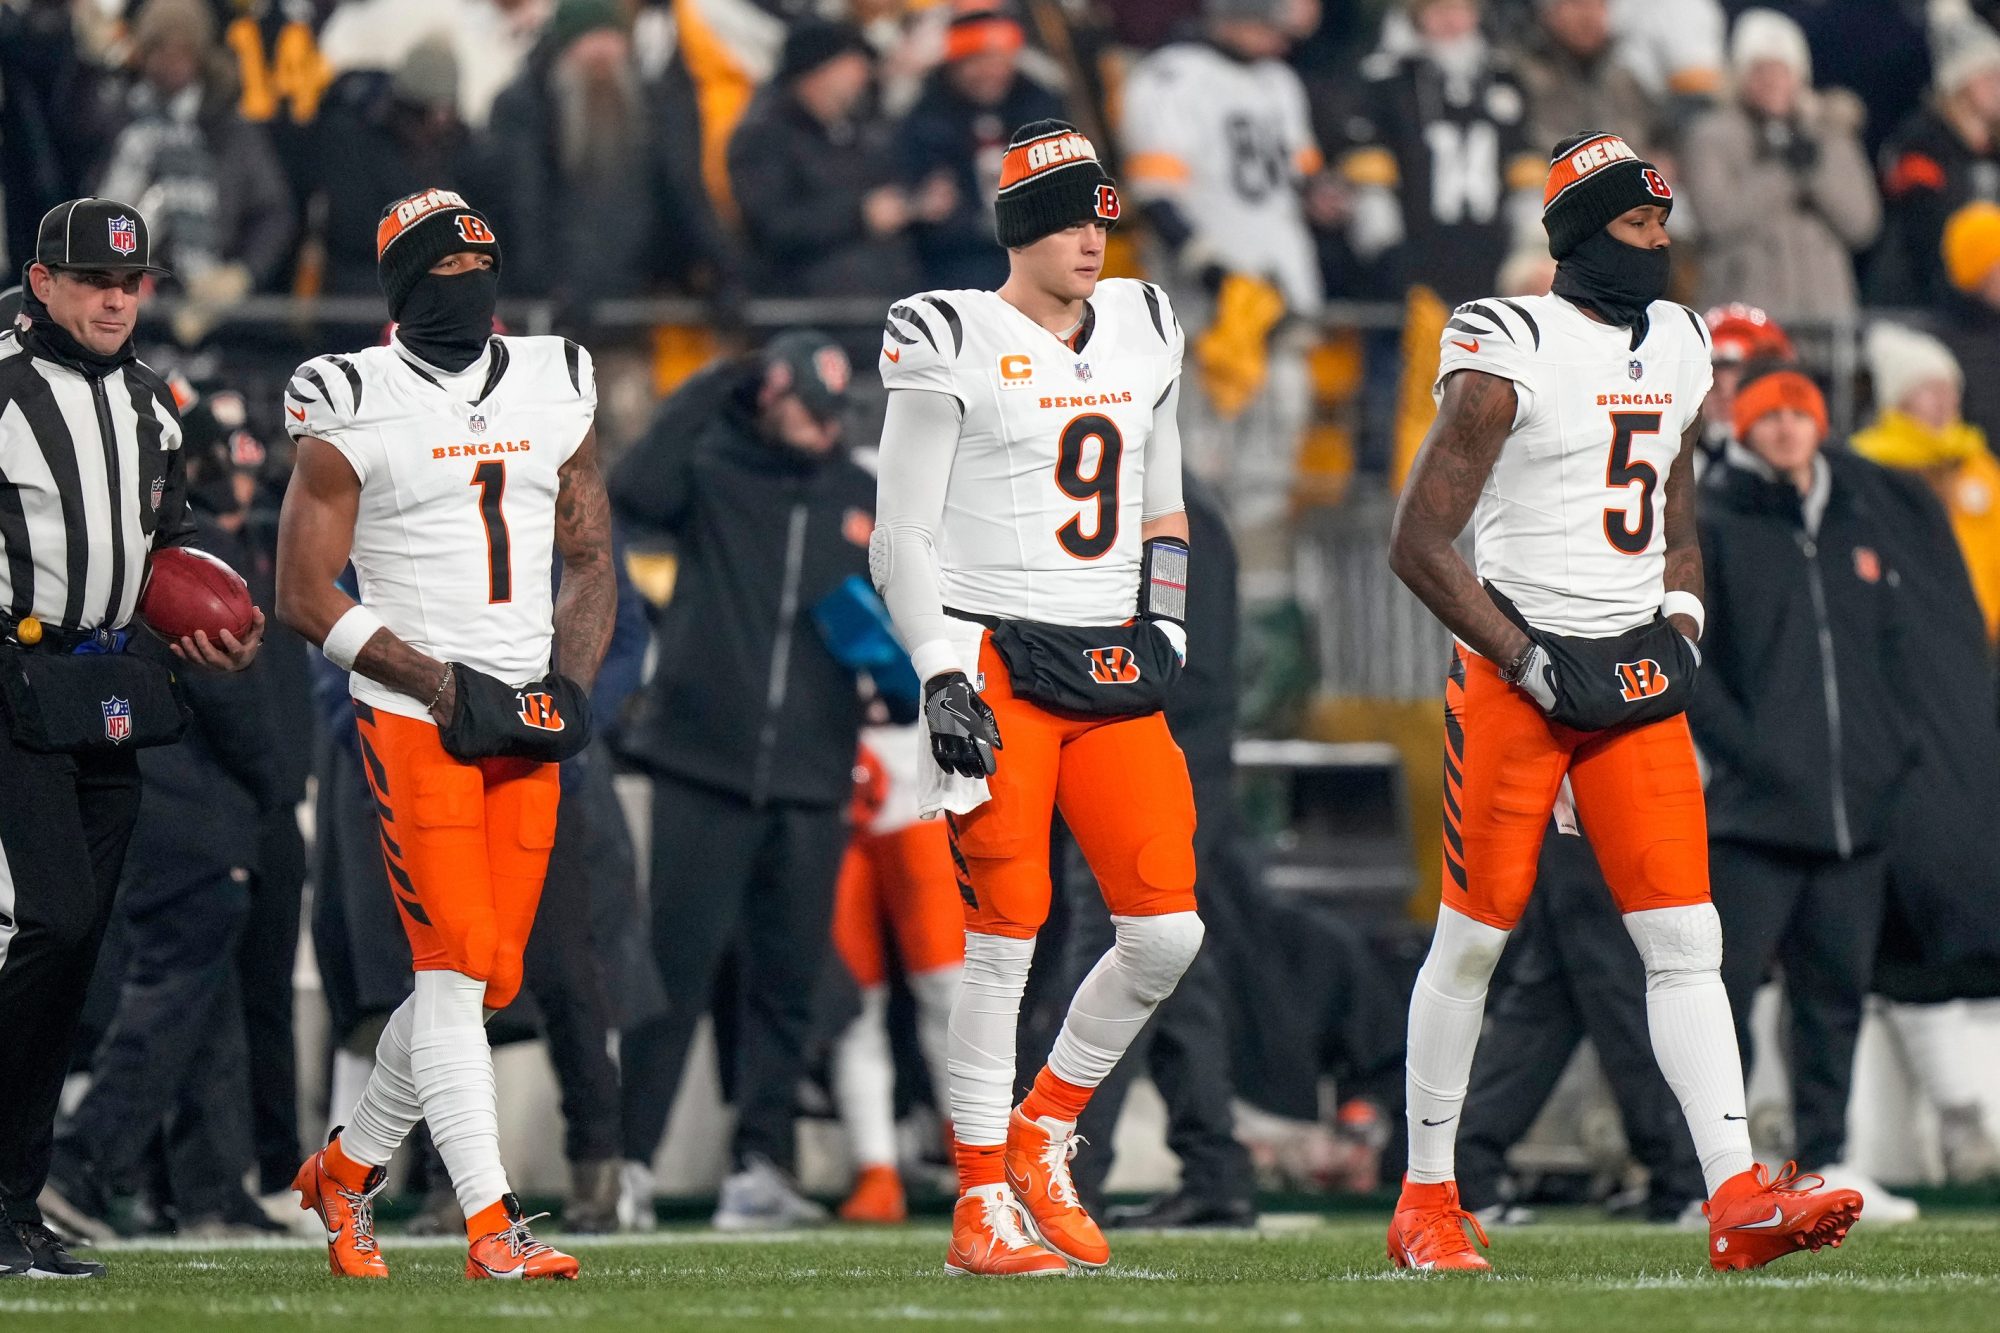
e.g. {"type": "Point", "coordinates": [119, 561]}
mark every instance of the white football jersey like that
{"type": "Point", "coordinates": [454, 543]}
{"type": "Point", "coordinates": [1227, 141]}
{"type": "Point", "coordinates": [1571, 523]}
{"type": "Point", "coordinates": [1043, 513]}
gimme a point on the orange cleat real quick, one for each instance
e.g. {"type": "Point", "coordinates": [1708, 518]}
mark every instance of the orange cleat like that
{"type": "Point", "coordinates": [1428, 1231]}
{"type": "Point", "coordinates": [348, 1216]}
{"type": "Point", "coordinates": [877, 1198]}
{"type": "Point", "coordinates": [1754, 1219]}
{"type": "Point", "coordinates": [991, 1237]}
{"type": "Point", "coordinates": [1038, 1153]}
{"type": "Point", "coordinates": [513, 1254]}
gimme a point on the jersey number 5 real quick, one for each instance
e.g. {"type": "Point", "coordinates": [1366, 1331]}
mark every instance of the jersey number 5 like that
{"type": "Point", "coordinates": [1626, 530]}
{"type": "Point", "coordinates": [491, 479]}
{"type": "Point", "coordinates": [1100, 485]}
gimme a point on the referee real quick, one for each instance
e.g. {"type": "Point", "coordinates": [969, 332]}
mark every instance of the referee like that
{"type": "Point", "coordinates": [90, 481]}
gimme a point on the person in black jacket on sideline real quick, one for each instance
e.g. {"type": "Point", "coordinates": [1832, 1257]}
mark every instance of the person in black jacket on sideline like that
{"type": "Point", "coordinates": [1799, 716]}
{"type": "Point", "coordinates": [749, 729]}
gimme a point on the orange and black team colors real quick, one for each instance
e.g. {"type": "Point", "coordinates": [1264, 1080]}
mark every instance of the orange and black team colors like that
{"type": "Point", "coordinates": [1565, 438]}
{"type": "Point", "coordinates": [451, 468]}
{"type": "Point", "coordinates": [1032, 547]}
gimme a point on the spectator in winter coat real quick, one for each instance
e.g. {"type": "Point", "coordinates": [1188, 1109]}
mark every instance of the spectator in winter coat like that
{"type": "Point", "coordinates": [1779, 182]}
{"type": "Point", "coordinates": [1920, 429]}
{"type": "Point", "coordinates": [814, 177]}
{"type": "Point", "coordinates": [1799, 715]}
{"type": "Point", "coordinates": [1574, 75]}
{"type": "Point", "coordinates": [593, 170]}
{"type": "Point", "coordinates": [954, 137]}
{"type": "Point", "coordinates": [1942, 158]}
{"type": "Point", "coordinates": [208, 180]}
{"type": "Point", "coordinates": [1968, 317]}
{"type": "Point", "coordinates": [50, 117]}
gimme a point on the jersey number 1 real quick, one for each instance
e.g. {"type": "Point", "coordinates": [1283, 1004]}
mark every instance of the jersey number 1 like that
{"type": "Point", "coordinates": [1100, 485]}
{"type": "Point", "coordinates": [491, 479]}
{"type": "Point", "coordinates": [1627, 531]}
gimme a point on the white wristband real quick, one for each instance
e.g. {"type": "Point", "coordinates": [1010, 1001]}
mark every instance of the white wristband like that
{"type": "Point", "coordinates": [1685, 604]}
{"type": "Point", "coordinates": [349, 635]}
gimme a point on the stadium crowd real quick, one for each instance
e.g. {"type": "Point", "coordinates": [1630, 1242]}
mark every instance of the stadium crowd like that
{"type": "Point", "coordinates": [1837, 178]}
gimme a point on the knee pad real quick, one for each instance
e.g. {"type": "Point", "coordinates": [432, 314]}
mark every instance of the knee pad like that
{"type": "Point", "coordinates": [1155, 950]}
{"type": "Point", "coordinates": [1463, 955]}
{"type": "Point", "coordinates": [1677, 944]}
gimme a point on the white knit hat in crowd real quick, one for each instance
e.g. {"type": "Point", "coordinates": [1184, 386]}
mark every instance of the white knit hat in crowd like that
{"type": "Point", "coordinates": [1960, 50]}
{"type": "Point", "coordinates": [1765, 34]}
{"type": "Point", "coordinates": [1901, 359]}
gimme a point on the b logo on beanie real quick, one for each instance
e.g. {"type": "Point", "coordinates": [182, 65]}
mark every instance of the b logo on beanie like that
{"type": "Point", "coordinates": [1593, 178]}
{"type": "Point", "coordinates": [419, 230]}
{"type": "Point", "coordinates": [1051, 179]}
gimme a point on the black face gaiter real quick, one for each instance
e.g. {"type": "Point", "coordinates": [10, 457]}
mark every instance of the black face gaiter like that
{"type": "Point", "coordinates": [1617, 281]}
{"type": "Point", "coordinates": [446, 319]}
{"type": "Point", "coordinates": [47, 338]}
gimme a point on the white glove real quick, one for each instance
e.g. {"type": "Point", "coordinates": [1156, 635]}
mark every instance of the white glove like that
{"type": "Point", "coordinates": [1176, 635]}
{"type": "Point", "coordinates": [1538, 679]}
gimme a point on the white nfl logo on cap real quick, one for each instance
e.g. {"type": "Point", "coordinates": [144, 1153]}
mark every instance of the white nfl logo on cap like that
{"type": "Point", "coordinates": [124, 235]}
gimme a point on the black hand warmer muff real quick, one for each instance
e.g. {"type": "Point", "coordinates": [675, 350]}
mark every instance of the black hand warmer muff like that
{"type": "Point", "coordinates": [1647, 674]}
{"type": "Point", "coordinates": [1095, 670]}
{"type": "Point", "coordinates": [547, 721]}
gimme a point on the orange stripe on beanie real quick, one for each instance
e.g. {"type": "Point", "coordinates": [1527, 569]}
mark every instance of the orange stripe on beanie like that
{"type": "Point", "coordinates": [1759, 397]}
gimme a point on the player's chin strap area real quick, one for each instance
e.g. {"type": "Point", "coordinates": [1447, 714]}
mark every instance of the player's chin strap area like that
{"type": "Point", "coordinates": [1163, 584]}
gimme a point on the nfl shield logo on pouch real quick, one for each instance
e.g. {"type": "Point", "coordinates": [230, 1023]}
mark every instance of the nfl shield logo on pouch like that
{"type": "Point", "coordinates": [118, 719]}
{"type": "Point", "coordinates": [124, 235]}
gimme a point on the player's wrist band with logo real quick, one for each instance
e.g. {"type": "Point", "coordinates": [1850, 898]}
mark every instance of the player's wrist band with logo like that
{"type": "Point", "coordinates": [349, 635]}
{"type": "Point", "coordinates": [1685, 604]}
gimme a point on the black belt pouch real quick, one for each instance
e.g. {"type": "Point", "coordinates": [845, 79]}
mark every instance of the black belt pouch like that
{"type": "Point", "coordinates": [83, 703]}
{"type": "Point", "coordinates": [1094, 670]}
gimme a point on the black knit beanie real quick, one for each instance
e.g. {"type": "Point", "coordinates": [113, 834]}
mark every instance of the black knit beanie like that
{"type": "Point", "coordinates": [813, 42]}
{"type": "Point", "coordinates": [418, 231]}
{"type": "Point", "coordinates": [1049, 180]}
{"type": "Point", "coordinates": [1594, 178]}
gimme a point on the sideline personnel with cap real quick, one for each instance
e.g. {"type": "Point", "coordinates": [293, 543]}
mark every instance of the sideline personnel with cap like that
{"type": "Point", "coordinates": [750, 731]}
{"type": "Point", "coordinates": [90, 482]}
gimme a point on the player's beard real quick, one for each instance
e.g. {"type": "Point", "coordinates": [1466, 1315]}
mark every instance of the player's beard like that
{"type": "Point", "coordinates": [447, 318]}
{"type": "Point", "coordinates": [1610, 278]}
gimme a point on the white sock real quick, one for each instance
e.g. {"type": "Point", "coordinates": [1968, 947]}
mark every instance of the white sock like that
{"type": "Point", "coordinates": [1694, 1036]}
{"type": "Point", "coordinates": [452, 1066]}
{"type": "Point", "coordinates": [1118, 997]}
{"type": "Point", "coordinates": [351, 1072]}
{"type": "Point", "coordinates": [388, 1106]}
{"type": "Point", "coordinates": [1938, 1045]}
{"type": "Point", "coordinates": [984, 1019]}
{"type": "Point", "coordinates": [1446, 1010]}
{"type": "Point", "coordinates": [864, 1082]}
{"type": "Point", "coordinates": [935, 992]}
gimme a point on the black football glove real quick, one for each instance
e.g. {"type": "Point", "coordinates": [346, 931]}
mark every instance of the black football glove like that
{"type": "Point", "coordinates": [547, 720]}
{"type": "Point", "coordinates": [964, 734]}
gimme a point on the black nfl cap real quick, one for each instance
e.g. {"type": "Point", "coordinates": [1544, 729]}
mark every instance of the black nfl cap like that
{"type": "Point", "coordinates": [95, 234]}
{"type": "Point", "coordinates": [819, 369]}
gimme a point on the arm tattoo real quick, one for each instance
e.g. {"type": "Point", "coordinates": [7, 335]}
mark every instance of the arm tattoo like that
{"type": "Point", "coordinates": [1473, 422]}
{"type": "Point", "coordinates": [1683, 543]}
{"type": "Point", "coordinates": [587, 606]}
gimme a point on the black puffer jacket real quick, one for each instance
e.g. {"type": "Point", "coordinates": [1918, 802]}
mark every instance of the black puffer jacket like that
{"type": "Point", "coordinates": [746, 696]}
{"type": "Point", "coordinates": [1801, 707]}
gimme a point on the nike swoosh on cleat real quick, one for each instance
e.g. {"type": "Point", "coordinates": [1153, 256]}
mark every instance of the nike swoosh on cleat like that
{"type": "Point", "coordinates": [1776, 1219]}
{"type": "Point", "coordinates": [1472, 346]}
{"type": "Point", "coordinates": [1446, 1121]}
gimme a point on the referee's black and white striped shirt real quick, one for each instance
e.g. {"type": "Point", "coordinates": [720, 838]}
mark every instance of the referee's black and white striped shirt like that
{"type": "Point", "coordinates": [90, 473]}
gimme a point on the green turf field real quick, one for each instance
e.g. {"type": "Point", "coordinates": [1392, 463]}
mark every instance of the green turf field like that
{"type": "Point", "coordinates": [1605, 1279]}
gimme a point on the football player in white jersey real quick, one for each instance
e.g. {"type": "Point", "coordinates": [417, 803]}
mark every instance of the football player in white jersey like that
{"type": "Point", "coordinates": [1566, 434]}
{"type": "Point", "coordinates": [451, 467]}
{"type": "Point", "coordinates": [1032, 547]}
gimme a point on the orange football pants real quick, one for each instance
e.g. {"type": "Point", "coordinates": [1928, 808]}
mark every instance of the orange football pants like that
{"type": "Point", "coordinates": [467, 845]}
{"type": "Point", "coordinates": [1122, 787]}
{"type": "Point", "coordinates": [901, 882]}
{"type": "Point", "coordinates": [1638, 800]}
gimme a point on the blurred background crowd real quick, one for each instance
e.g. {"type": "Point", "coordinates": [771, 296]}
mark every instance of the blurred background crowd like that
{"type": "Point", "coordinates": [1317, 185]}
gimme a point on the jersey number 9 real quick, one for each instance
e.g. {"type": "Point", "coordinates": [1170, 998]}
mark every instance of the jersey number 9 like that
{"type": "Point", "coordinates": [1099, 485]}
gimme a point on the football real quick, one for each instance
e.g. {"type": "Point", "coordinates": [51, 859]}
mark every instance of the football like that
{"type": "Point", "coordinates": [188, 590]}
